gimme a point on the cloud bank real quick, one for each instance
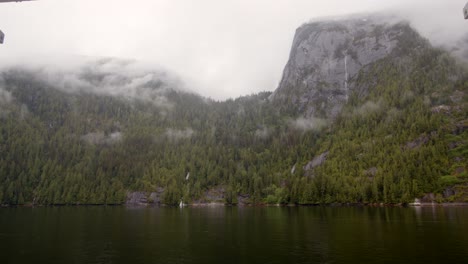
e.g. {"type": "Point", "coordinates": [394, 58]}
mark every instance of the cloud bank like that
{"type": "Point", "coordinates": [99, 138]}
{"type": "Point", "coordinates": [221, 48]}
{"type": "Point", "coordinates": [179, 134]}
{"type": "Point", "coordinates": [106, 76]}
{"type": "Point", "coordinates": [309, 124]}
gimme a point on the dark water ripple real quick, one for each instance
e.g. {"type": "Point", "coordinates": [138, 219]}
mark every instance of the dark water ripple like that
{"type": "Point", "coordinates": [234, 235]}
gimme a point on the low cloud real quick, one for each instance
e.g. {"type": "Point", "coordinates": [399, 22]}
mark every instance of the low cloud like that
{"type": "Point", "coordinates": [177, 134]}
{"type": "Point", "coordinates": [100, 138]}
{"type": "Point", "coordinates": [368, 108]}
{"type": "Point", "coordinates": [119, 78]}
{"type": "Point", "coordinates": [5, 96]}
{"type": "Point", "coordinates": [263, 133]}
{"type": "Point", "coordinates": [393, 114]}
{"type": "Point", "coordinates": [204, 41]}
{"type": "Point", "coordinates": [309, 124]}
{"type": "Point", "coordinates": [115, 77]}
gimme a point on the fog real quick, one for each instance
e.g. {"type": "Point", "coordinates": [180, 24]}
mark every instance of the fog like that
{"type": "Point", "coordinates": [178, 134]}
{"type": "Point", "coordinates": [108, 76]}
{"type": "Point", "coordinates": [97, 138]}
{"type": "Point", "coordinates": [220, 49]}
{"type": "Point", "coordinates": [5, 96]}
{"type": "Point", "coordinates": [367, 108]}
{"type": "Point", "coordinates": [311, 123]}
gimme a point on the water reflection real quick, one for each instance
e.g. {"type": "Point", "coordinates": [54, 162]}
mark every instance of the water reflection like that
{"type": "Point", "coordinates": [233, 235]}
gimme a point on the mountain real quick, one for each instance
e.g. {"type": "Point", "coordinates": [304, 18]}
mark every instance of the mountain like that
{"type": "Point", "coordinates": [366, 112]}
{"type": "Point", "coordinates": [326, 58]}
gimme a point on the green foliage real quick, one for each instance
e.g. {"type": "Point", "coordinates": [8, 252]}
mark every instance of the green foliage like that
{"type": "Point", "coordinates": [389, 145]}
{"type": "Point", "coordinates": [448, 180]}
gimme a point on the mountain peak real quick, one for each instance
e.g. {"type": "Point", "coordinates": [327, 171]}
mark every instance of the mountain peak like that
{"type": "Point", "coordinates": [327, 56]}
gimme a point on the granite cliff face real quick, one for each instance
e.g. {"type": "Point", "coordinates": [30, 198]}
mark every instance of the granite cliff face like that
{"type": "Point", "coordinates": [326, 58]}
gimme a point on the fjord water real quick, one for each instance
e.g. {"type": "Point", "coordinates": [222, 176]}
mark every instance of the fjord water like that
{"type": "Point", "coordinates": [234, 235]}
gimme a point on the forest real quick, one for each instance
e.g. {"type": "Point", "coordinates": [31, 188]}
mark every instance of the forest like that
{"type": "Point", "coordinates": [401, 135]}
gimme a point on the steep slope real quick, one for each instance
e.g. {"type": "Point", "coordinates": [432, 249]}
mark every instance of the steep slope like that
{"type": "Point", "coordinates": [406, 138]}
{"type": "Point", "coordinates": [64, 144]}
{"type": "Point", "coordinates": [327, 56]}
{"type": "Point", "coordinates": [365, 113]}
{"type": "Point", "coordinates": [398, 109]}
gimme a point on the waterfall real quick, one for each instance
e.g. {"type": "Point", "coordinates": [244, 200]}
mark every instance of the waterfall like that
{"type": "Point", "coordinates": [346, 69]}
{"type": "Point", "coordinates": [346, 73]}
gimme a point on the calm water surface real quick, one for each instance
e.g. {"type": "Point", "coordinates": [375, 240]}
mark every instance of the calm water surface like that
{"type": "Point", "coordinates": [234, 235]}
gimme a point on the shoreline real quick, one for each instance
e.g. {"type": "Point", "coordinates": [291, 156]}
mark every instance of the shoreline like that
{"type": "Point", "coordinates": [218, 204]}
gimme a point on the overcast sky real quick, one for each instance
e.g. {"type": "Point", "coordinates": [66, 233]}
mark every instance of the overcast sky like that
{"type": "Point", "coordinates": [221, 48]}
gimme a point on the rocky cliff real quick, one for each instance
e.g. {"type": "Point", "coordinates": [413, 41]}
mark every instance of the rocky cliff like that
{"type": "Point", "coordinates": [326, 58]}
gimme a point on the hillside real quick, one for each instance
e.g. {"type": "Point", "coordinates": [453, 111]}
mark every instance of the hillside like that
{"type": "Point", "coordinates": [365, 113]}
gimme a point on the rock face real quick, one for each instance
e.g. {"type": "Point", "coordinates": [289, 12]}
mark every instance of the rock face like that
{"type": "Point", "coordinates": [213, 195]}
{"type": "Point", "coordinates": [327, 56]}
{"type": "Point", "coordinates": [448, 192]}
{"type": "Point", "coordinates": [143, 198]}
{"type": "Point", "coordinates": [135, 198]}
{"type": "Point", "coordinates": [317, 161]}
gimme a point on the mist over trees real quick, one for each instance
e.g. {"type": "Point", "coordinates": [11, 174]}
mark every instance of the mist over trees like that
{"type": "Point", "coordinates": [404, 138]}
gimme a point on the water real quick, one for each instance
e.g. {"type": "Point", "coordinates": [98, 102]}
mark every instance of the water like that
{"type": "Point", "coordinates": [234, 235]}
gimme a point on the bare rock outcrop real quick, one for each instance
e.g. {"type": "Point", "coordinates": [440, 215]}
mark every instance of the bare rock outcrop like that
{"type": "Point", "coordinates": [326, 58]}
{"type": "Point", "coordinates": [145, 198]}
{"type": "Point", "coordinates": [316, 161]}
